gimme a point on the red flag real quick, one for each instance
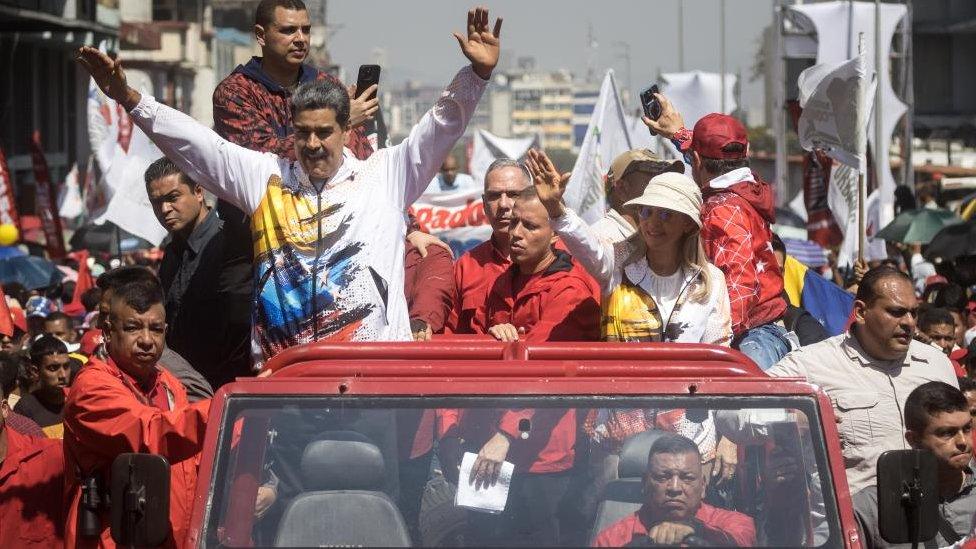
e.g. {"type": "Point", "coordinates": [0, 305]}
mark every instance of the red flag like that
{"type": "Point", "coordinates": [85, 282]}
{"type": "Point", "coordinates": [47, 201]}
{"type": "Point", "coordinates": [8, 207]}
{"type": "Point", "coordinates": [821, 226]}
{"type": "Point", "coordinates": [6, 319]}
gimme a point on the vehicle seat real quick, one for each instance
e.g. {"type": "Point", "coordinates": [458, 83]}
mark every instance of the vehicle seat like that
{"type": "Point", "coordinates": [625, 495]}
{"type": "Point", "coordinates": [343, 506]}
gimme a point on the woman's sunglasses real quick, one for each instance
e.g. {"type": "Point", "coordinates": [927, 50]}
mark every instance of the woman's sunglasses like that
{"type": "Point", "coordinates": [662, 213]}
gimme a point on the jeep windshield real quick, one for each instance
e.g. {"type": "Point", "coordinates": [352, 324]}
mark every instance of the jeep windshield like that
{"type": "Point", "coordinates": [350, 470]}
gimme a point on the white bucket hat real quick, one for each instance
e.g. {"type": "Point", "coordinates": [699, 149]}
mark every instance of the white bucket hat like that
{"type": "Point", "coordinates": [672, 191]}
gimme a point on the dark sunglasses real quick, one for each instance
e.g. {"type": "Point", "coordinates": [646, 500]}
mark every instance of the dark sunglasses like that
{"type": "Point", "coordinates": [663, 214]}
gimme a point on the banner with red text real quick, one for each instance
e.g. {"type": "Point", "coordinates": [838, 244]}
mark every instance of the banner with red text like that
{"type": "Point", "coordinates": [47, 200]}
{"type": "Point", "coordinates": [8, 207]}
{"type": "Point", "coordinates": [457, 218]}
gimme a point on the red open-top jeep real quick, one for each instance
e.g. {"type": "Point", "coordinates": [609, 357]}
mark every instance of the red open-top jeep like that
{"type": "Point", "coordinates": [334, 433]}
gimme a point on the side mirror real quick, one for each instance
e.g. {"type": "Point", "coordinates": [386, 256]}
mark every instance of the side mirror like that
{"type": "Point", "coordinates": [140, 500]}
{"type": "Point", "coordinates": [908, 496]}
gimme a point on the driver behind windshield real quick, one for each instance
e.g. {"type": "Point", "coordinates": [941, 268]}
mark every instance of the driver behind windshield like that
{"type": "Point", "coordinates": [673, 512]}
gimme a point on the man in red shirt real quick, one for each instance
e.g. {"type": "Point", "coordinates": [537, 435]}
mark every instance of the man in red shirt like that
{"type": "Point", "coordinates": [673, 512]}
{"type": "Point", "coordinates": [736, 214]}
{"type": "Point", "coordinates": [543, 296]}
{"type": "Point", "coordinates": [130, 404]}
{"type": "Point", "coordinates": [475, 271]}
{"type": "Point", "coordinates": [31, 487]}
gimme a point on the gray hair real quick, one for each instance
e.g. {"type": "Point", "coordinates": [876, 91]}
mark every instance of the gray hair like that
{"type": "Point", "coordinates": [322, 94]}
{"type": "Point", "coordinates": [508, 163]}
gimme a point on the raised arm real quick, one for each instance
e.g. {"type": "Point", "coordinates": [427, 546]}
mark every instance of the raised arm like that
{"type": "Point", "coordinates": [230, 171]}
{"type": "Point", "coordinates": [415, 161]}
{"type": "Point", "coordinates": [596, 254]}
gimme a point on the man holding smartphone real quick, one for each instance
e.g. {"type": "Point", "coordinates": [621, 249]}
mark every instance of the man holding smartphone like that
{"type": "Point", "coordinates": [327, 228]}
{"type": "Point", "coordinates": [251, 105]}
{"type": "Point", "coordinates": [736, 214]}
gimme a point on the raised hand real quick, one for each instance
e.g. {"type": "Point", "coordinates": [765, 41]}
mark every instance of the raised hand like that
{"type": "Point", "coordinates": [364, 107]}
{"type": "Point", "coordinates": [549, 183]}
{"type": "Point", "coordinates": [108, 75]}
{"type": "Point", "coordinates": [481, 46]}
{"type": "Point", "coordinates": [668, 123]}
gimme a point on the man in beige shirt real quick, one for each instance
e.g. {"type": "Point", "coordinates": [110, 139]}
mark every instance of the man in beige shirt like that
{"type": "Point", "coordinates": [869, 372]}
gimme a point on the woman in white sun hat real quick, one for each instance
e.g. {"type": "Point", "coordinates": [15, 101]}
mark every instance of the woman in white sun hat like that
{"type": "Point", "coordinates": [658, 285]}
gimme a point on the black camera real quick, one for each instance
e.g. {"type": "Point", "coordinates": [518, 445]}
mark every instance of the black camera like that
{"type": "Point", "coordinates": [89, 522]}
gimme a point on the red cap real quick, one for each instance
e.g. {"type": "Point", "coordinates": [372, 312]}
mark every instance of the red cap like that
{"type": "Point", "coordinates": [715, 131]}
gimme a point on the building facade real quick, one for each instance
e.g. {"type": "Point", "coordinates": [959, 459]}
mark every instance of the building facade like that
{"type": "Point", "coordinates": [42, 88]}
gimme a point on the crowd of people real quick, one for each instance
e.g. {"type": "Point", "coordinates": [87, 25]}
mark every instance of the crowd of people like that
{"type": "Point", "coordinates": [310, 240]}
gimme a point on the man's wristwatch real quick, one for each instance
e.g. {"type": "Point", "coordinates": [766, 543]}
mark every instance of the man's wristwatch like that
{"type": "Point", "coordinates": [417, 325]}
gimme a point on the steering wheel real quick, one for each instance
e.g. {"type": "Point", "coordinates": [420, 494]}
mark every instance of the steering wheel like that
{"type": "Point", "coordinates": [694, 540]}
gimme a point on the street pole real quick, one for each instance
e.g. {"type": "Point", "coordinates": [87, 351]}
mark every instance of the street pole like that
{"type": "Point", "coordinates": [681, 36]}
{"type": "Point", "coordinates": [721, 32]}
{"type": "Point", "coordinates": [778, 112]}
{"type": "Point", "coordinates": [880, 150]}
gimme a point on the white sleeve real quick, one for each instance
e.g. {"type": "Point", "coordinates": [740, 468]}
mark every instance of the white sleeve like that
{"type": "Point", "coordinates": [233, 173]}
{"type": "Point", "coordinates": [597, 255]}
{"type": "Point", "coordinates": [411, 165]}
{"type": "Point", "coordinates": [718, 325]}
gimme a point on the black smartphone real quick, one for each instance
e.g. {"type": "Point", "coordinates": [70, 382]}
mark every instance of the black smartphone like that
{"type": "Point", "coordinates": [368, 75]}
{"type": "Point", "coordinates": [652, 107]}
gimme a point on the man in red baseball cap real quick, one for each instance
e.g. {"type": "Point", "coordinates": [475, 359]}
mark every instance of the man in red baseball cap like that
{"type": "Point", "coordinates": [737, 212]}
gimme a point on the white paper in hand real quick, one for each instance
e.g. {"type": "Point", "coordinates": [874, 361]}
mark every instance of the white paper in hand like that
{"type": "Point", "coordinates": [487, 500]}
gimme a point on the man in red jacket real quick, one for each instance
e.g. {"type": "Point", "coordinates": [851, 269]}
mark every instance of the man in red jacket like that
{"type": "Point", "coordinates": [544, 295]}
{"type": "Point", "coordinates": [737, 212]}
{"type": "Point", "coordinates": [130, 404]}
{"type": "Point", "coordinates": [673, 511]}
{"type": "Point", "coordinates": [31, 487]}
{"type": "Point", "coordinates": [475, 271]}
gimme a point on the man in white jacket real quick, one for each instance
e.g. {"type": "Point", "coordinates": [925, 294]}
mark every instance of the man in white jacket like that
{"type": "Point", "coordinates": [328, 229]}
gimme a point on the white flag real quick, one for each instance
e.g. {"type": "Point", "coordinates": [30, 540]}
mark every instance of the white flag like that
{"type": "Point", "coordinates": [875, 249]}
{"type": "Point", "coordinates": [836, 103]}
{"type": "Point", "coordinates": [488, 147]}
{"type": "Point", "coordinates": [129, 207]}
{"type": "Point", "coordinates": [70, 204]}
{"type": "Point", "coordinates": [456, 217]}
{"type": "Point", "coordinates": [606, 137]}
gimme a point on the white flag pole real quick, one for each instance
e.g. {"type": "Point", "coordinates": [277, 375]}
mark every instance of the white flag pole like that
{"type": "Point", "coordinates": [861, 234]}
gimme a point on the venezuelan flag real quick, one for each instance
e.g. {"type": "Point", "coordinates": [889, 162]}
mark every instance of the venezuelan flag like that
{"type": "Point", "coordinates": [823, 299]}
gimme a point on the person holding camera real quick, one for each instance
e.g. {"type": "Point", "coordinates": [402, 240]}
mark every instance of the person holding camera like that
{"type": "Point", "coordinates": [736, 215]}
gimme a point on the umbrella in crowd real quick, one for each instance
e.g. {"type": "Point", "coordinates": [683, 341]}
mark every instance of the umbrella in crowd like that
{"type": "Point", "coordinates": [106, 238]}
{"type": "Point", "coordinates": [786, 216]}
{"type": "Point", "coordinates": [29, 270]}
{"type": "Point", "coordinates": [920, 225]}
{"type": "Point", "coordinates": [7, 252]}
{"type": "Point", "coordinates": [807, 252]}
{"type": "Point", "coordinates": [953, 242]}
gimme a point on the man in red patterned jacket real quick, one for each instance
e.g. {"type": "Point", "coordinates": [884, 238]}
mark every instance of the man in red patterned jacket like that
{"type": "Point", "coordinates": [251, 106]}
{"type": "Point", "coordinates": [737, 212]}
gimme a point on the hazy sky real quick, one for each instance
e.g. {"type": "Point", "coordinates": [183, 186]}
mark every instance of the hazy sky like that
{"type": "Point", "coordinates": [416, 35]}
